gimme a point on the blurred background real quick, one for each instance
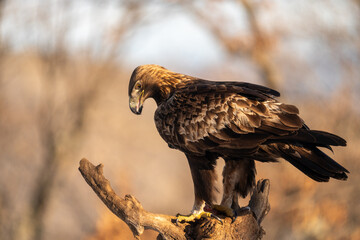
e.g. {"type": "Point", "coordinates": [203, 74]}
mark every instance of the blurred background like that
{"type": "Point", "coordinates": [64, 70]}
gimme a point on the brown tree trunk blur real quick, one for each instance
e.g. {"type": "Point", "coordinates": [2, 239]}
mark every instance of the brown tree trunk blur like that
{"type": "Point", "coordinates": [56, 135]}
{"type": "Point", "coordinates": [47, 132]}
{"type": "Point", "coordinates": [259, 49]}
{"type": "Point", "coordinates": [44, 183]}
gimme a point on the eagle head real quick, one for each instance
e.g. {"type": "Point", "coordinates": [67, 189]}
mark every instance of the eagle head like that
{"type": "Point", "coordinates": [151, 81]}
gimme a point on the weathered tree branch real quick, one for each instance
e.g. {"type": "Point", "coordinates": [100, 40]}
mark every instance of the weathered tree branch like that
{"type": "Point", "coordinates": [129, 209]}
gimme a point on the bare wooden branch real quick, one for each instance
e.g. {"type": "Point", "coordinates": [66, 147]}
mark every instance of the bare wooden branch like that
{"type": "Point", "coordinates": [129, 209]}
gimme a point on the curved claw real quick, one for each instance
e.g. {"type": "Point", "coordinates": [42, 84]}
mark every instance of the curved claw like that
{"type": "Point", "coordinates": [234, 217]}
{"type": "Point", "coordinates": [217, 218]}
{"type": "Point", "coordinates": [247, 208]}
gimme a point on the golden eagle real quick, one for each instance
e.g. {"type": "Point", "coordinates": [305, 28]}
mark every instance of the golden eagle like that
{"type": "Point", "coordinates": [237, 121]}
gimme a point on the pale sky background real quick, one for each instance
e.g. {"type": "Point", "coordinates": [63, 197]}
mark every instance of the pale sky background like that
{"type": "Point", "coordinates": [174, 38]}
{"type": "Point", "coordinates": [171, 33]}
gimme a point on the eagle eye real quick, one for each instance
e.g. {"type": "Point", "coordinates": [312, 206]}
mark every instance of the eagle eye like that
{"type": "Point", "coordinates": [137, 86]}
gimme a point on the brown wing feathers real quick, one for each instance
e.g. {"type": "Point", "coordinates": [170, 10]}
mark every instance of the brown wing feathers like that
{"type": "Point", "coordinates": [237, 119]}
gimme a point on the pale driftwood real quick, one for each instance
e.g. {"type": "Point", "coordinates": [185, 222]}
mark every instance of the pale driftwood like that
{"type": "Point", "coordinates": [129, 209]}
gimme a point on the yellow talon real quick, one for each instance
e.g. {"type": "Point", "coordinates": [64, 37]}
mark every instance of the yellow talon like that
{"type": "Point", "coordinates": [204, 215]}
{"type": "Point", "coordinates": [193, 217]}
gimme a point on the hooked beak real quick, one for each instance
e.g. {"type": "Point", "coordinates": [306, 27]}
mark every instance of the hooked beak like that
{"type": "Point", "coordinates": [136, 103]}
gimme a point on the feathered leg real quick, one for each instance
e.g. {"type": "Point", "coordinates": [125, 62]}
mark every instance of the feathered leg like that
{"type": "Point", "coordinates": [238, 179]}
{"type": "Point", "coordinates": [204, 177]}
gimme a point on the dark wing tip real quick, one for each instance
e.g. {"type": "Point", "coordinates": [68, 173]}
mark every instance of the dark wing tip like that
{"type": "Point", "coordinates": [274, 92]}
{"type": "Point", "coordinates": [341, 176]}
{"type": "Point", "coordinates": [328, 138]}
{"type": "Point", "coordinates": [264, 90]}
